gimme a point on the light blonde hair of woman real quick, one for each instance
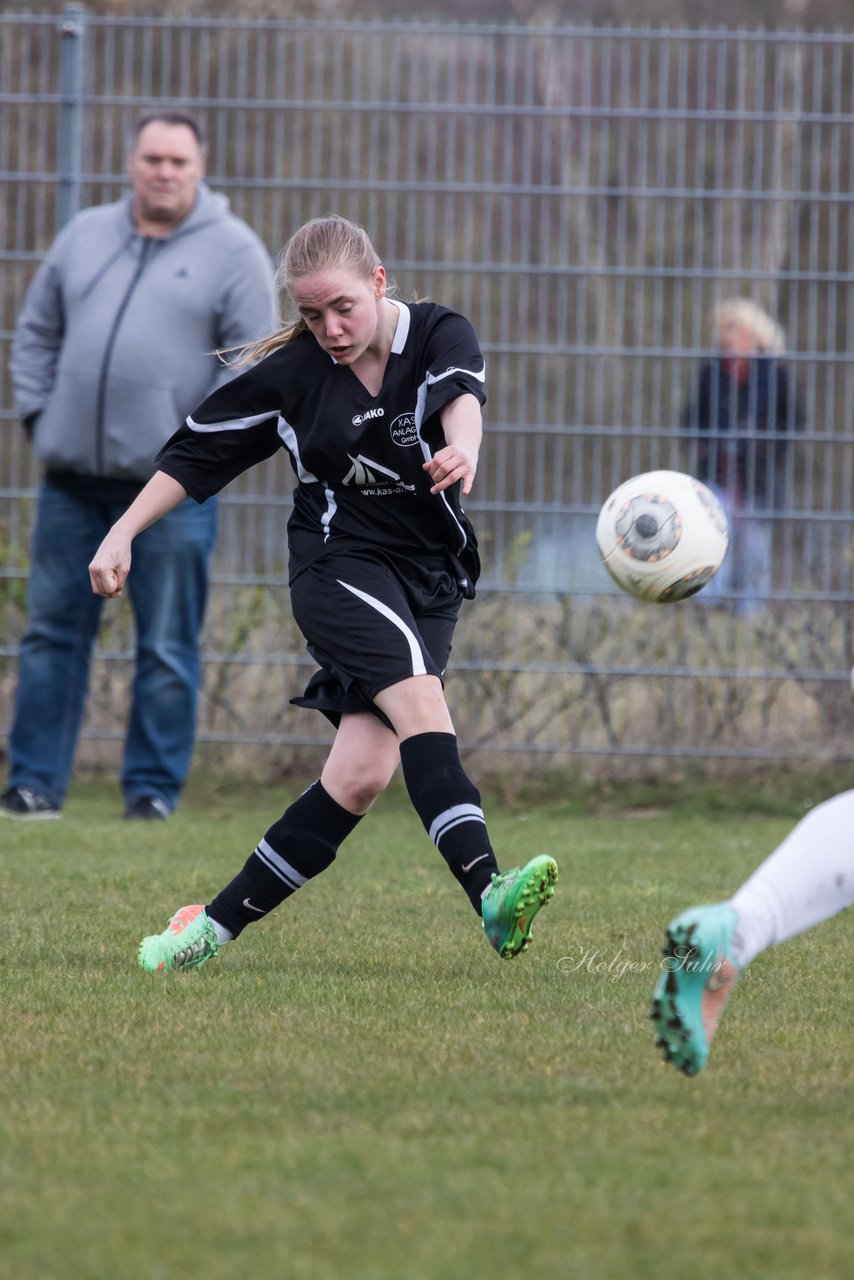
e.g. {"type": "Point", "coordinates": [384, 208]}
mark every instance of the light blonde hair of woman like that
{"type": "Point", "coordinates": [769, 336]}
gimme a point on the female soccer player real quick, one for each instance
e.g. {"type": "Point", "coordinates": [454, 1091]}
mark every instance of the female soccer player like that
{"type": "Point", "coordinates": [378, 405]}
{"type": "Point", "coordinates": [807, 879]}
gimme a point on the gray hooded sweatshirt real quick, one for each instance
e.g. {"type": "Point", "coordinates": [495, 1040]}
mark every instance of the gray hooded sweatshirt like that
{"type": "Point", "coordinates": [115, 342]}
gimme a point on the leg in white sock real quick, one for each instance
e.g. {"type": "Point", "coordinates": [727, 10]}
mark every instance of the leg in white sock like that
{"type": "Point", "coordinates": [808, 878]}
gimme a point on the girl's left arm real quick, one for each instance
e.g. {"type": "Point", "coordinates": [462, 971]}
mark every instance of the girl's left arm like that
{"type": "Point", "coordinates": [462, 426]}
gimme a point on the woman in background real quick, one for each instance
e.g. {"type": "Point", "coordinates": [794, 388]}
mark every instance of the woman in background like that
{"type": "Point", "coordinates": [742, 415]}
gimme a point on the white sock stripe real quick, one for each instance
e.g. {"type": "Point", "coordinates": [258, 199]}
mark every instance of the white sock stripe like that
{"type": "Point", "coordinates": [452, 818]}
{"type": "Point", "coordinates": [451, 825]}
{"type": "Point", "coordinates": [278, 866]}
{"type": "Point", "coordinates": [418, 666]}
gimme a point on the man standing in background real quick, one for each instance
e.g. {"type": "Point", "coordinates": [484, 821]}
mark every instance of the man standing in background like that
{"type": "Point", "coordinates": [114, 346]}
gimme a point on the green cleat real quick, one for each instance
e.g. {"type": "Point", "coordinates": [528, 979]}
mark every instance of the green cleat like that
{"type": "Point", "coordinates": [699, 975]}
{"type": "Point", "coordinates": [187, 941]}
{"type": "Point", "coordinates": [511, 902]}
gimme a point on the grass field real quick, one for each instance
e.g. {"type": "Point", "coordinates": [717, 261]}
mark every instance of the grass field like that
{"type": "Point", "coordinates": [359, 1088]}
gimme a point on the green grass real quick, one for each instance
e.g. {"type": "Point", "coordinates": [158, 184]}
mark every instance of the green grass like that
{"type": "Point", "coordinates": [360, 1089]}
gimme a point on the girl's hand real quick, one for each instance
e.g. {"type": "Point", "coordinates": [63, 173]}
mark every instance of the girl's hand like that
{"type": "Point", "coordinates": [110, 566]}
{"type": "Point", "coordinates": [111, 563]}
{"type": "Point", "coordinates": [449, 465]}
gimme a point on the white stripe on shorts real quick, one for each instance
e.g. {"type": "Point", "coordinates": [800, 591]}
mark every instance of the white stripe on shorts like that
{"type": "Point", "coordinates": [418, 667]}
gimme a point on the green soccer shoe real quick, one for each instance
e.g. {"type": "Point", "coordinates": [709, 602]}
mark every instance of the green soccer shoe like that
{"type": "Point", "coordinates": [186, 942]}
{"type": "Point", "coordinates": [699, 975]}
{"type": "Point", "coordinates": [510, 903]}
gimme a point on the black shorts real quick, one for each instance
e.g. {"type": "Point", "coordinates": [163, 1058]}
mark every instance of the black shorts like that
{"type": "Point", "coordinates": [370, 620]}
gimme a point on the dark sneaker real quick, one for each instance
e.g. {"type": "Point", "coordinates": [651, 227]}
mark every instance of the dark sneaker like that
{"type": "Point", "coordinates": [147, 808]}
{"type": "Point", "coordinates": [24, 802]}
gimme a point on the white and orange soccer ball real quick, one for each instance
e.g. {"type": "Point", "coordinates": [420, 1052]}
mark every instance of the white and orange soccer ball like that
{"type": "Point", "coordinates": [662, 536]}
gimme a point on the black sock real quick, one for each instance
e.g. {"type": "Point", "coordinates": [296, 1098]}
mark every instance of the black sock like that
{"type": "Point", "coordinates": [296, 848]}
{"type": "Point", "coordinates": [448, 804]}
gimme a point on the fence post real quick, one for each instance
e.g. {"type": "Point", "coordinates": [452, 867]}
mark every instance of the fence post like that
{"type": "Point", "coordinates": [72, 30]}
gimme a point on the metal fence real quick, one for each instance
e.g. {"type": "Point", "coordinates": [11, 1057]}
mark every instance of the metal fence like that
{"type": "Point", "coordinates": [586, 196]}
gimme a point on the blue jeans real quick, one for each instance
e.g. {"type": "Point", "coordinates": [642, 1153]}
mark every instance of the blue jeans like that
{"type": "Point", "coordinates": [745, 575]}
{"type": "Point", "coordinates": [168, 587]}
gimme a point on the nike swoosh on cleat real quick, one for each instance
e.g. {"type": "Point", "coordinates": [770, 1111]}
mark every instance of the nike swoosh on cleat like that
{"type": "Point", "coordinates": [468, 866]}
{"type": "Point", "coordinates": [249, 907]}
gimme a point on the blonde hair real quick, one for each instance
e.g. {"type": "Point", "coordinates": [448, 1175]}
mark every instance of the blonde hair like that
{"type": "Point", "coordinates": [319, 245]}
{"type": "Point", "coordinates": [770, 337]}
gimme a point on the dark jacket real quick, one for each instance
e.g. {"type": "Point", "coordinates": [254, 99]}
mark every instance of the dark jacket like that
{"type": "Point", "coordinates": [742, 428]}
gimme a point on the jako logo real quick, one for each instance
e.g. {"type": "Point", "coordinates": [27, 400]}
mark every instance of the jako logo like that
{"type": "Point", "coordinates": [366, 417]}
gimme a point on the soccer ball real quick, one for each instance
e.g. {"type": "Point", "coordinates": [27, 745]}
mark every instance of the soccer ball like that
{"type": "Point", "coordinates": [662, 536]}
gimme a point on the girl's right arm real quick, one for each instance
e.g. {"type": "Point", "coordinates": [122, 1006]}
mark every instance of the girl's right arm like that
{"type": "Point", "coordinates": [111, 563]}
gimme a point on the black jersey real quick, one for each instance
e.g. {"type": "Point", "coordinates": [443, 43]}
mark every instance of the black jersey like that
{"type": "Point", "coordinates": [357, 457]}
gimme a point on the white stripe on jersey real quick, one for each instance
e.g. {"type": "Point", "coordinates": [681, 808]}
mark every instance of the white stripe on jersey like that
{"type": "Point", "coordinates": [401, 333]}
{"type": "Point", "coordinates": [470, 373]}
{"type": "Point", "coordinates": [452, 818]}
{"type": "Point", "coordinates": [278, 866]}
{"type": "Point", "coordinates": [289, 438]}
{"type": "Point", "coordinates": [420, 402]}
{"type": "Point", "coordinates": [418, 667]}
{"type": "Point", "coordinates": [232, 424]}
{"type": "Point", "coordinates": [326, 518]}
